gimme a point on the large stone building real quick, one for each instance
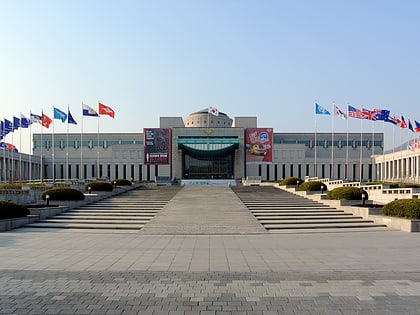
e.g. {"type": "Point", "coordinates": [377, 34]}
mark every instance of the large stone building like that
{"type": "Point", "coordinates": [205, 146]}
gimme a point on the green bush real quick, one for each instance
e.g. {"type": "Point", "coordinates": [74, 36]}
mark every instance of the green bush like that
{"type": "Point", "coordinates": [63, 193]}
{"type": "Point", "coordinates": [99, 186]}
{"type": "Point", "coordinates": [10, 210]}
{"type": "Point", "coordinates": [313, 186]}
{"type": "Point", "coordinates": [403, 208]}
{"type": "Point", "coordinates": [122, 182]}
{"type": "Point", "coordinates": [347, 193]}
{"type": "Point", "coordinates": [10, 186]}
{"type": "Point", "coordinates": [291, 181]}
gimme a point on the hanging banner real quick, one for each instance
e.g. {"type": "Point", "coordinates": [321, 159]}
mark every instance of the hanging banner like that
{"type": "Point", "coordinates": [157, 146]}
{"type": "Point", "coordinates": [259, 145]}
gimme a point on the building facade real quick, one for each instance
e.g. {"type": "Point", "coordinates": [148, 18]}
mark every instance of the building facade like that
{"type": "Point", "coordinates": [207, 146]}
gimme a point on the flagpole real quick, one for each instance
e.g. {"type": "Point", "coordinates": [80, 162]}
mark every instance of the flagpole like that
{"type": "Point", "coordinates": [20, 149]}
{"type": "Point", "coordinates": [315, 159]}
{"type": "Point", "coordinates": [30, 146]}
{"type": "Point", "coordinates": [12, 160]}
{"type": "Point", "coordinates": [4, 152]}
{"type": "Point", "coordinates": [42, 132]}
{"type": "Point", "coordinates": [332, 142]}
{"type": "Point", "coordinates": [67, 145]}
{"type": "Point", "coordinates": [97, 151]}
{"type": "Point", "coordinates": [81, 147]}
{"type": "Point", "coordinates": [53, 149]}
{"type": "Point", "coordinates": [347, 146]}
{"type": "Point", "coordinates": [361, 149]}
{"type": "Point", "coordinates": [374, 173]}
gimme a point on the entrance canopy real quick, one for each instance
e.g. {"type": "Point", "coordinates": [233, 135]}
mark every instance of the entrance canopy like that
{"type": "Point", "coordinates": [208, 146]}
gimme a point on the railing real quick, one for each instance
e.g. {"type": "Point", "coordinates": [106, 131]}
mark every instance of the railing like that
{"type": "Point", "coordinates": [252, 181]}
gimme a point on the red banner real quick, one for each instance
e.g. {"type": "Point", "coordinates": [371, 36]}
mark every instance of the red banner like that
{"type": "Point", "coordinates": [259, 145]}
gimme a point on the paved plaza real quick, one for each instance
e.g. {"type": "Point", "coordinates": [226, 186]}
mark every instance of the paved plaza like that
{"type": "Point", "coordinates": [204, 252]}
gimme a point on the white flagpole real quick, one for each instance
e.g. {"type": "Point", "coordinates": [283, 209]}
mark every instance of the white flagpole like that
{"type": "Point", "coordinates": [361, 150]}
{"type": "Point", "coordinates": [53, 149]}
{"type": "Point", "coordinates": [42, 166]}
{"type": "Point", "coordinates": [97, 152]}
{"type": "Point", "coordinates": [4, 151]}
{"type": "Point", "coordinates": [315, 146]}
{"type": "Point", "coordinates": [374, 177]}
{"type": "Point", "coordinates": [81, 147]}
{"type": "Point", "coordinates": [30, 146]}
{"type": "Point", "coordinates": [20, 149]}
{"type": "Point", "coordinates": [67, 145]}
{"type": "Point", "coordinates": [332, 142]}
{"type": "Point", "coordinates": [347, 147]}
{"type": "Point", "coordinates": [12, 160]}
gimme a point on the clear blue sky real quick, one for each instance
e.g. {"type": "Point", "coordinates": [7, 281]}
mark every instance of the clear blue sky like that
{"type": "Point", "coordinates": [269, 59]}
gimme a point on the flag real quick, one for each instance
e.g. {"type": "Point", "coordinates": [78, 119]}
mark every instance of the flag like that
{"type": "Point", "coordinates": [105, 110]}
{"type": "Point", "coordinates": [8, 126]}
{"type": "Point", "coordinates": [89, 111]}
{"type": "Point", "coordinates": [403, 124]}
{"type": "Point", "coordinates": [2, 133]}
{"type": "Point", "coordinates": [59, 114]}
{"type": "Point", "coordinates": [8, 146]}
{"type": "Point", "coordinates": [319, 110]}
{"type": "Point", "coordinates": [410, 126]}
{"type": "Point", "coordinates": [355, 113]}
{"type": "Point", "coordinates": [381, 114]}
{"type": "Point", "coordinates": [16, 123]}
{"type": "Point", "coordinates": [368, 114]}
{"type": "Point", "coordinates": [36, 119]}
{"type": "Point", "coordinates": [46, 121]}
{"type": "Point", "coordinates": [70, 119]}
{"type": "Point", "coordinates": [24, 122]}
{"type": "Point", "coordinates": [417, 124]}
{"type": "Point", "coordinates": [339, 112]}
{"type": "Point", "coordinates": [393, 120]}
{"type": "Point", "coordinates": [213, 110]}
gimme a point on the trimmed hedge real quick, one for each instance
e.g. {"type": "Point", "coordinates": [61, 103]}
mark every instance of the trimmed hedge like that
{"type": "Point", "coordinates": [313, 186]}
{"type": "Point", "coordinates": [10, 186]}
{"type": "Point", "coordinates": [9, 210]}
{"type": "Point", "coordinates": [63, 193]}
{"type": "Point", "coordinates": [291, 181]}
{"type": "Point", "coordinates": [122, 182]}
{"type": "Point", "coordinates": [99, 186]}
{"type": "Point", "coordinates": [403, 208]}
{"type": "Point", "coordinates": [347, 193]}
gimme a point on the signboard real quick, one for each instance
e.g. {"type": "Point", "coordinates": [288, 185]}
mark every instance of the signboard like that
{"type": "Point", "coordinates": [157, 146]}
{"type": "Point", "coordinates": [259, 145]}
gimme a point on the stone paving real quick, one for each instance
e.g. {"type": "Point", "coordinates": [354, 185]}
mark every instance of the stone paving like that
{"type": "Point", "coordinates": [61, 271]}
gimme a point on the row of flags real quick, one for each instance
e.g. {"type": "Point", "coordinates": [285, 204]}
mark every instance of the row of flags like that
{"type": "Point", "coordinates": [373, 115]}
{"type": "Point", "coordinates": [8, 126]}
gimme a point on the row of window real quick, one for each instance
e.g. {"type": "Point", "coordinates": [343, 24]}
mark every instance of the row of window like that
{"type": "Point", "coordinates": [329, 143]}
{"type": "Point", "coordinates": [84, 143]}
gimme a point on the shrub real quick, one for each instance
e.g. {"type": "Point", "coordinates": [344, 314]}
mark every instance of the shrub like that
{"type": "Point", "coordinates": [10, 186]}
{"type": "Point", "coordinates": [122, 182]}
{"type": "Point", "coordinates": [63, 193]}
{"type": "Point", "coordinates": [403, 208]}
{"type": "Point", "coordinates": [10, 210]}
{"type": "Point", "coordinates": [291, 181]}
{"type": "Point", "coordinates": [99, 186]}
{"type": "Point", "coordinates": [346, 193]}
{"type": "Point", "coordinates": [313, 186]}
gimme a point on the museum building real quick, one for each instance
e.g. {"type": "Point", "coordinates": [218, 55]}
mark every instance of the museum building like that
{"type": "Point", "coordinates": [206, 146]}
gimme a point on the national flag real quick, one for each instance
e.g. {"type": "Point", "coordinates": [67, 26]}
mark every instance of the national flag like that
{"type": "Point", "coordinates": [8, 126]}
{"type": "Point", "coordinates": [381, 114]}
{"type": "Point", "coordinates": [8, 146]}
{"type": "Point", "coordinates": [16, 123]}
{"type": "Point", "coordinates": [369, 114]}
{"type": "Point", "coordinates": [355, 112]}
{"type": "Point", "coordinates": [417, 124]}
{"type": "Point", "coordinates": [89, 111]}
{"type": "Point", "coordinates": [24, 121]}
{"type": "Point", "coordinates": [46, 121]}
{"type": "Point", "coordinates": [410, 125]}
{"type": "Point", "coordinates": [59, 114]}
{"type": "Point", "coordinates": [319, 110]}
{"type": "Point", "coordinates": [70, 119]}
{"type": "Point", "coordinates": [213, 110]}
{"type": "Point", "coordinates": [339, 112]}
{"type": "Point", "coordinates": [403, 124]}
{"type": "Point", "coordinates": [36, 119]}
{"type": "Point", "coordinates": [105, 110]}
{"type": "Point", "coordinates": [393, 119]}
{"type": "Point", "coordinates": [1, 127]}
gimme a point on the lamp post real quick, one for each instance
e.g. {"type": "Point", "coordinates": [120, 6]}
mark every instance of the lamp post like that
{"type": "Point", "coordinates": [89, 189]}
{"type": "Point", "coordinates": [47, 199]}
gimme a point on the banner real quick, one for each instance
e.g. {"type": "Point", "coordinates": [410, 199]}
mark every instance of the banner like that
{"type": "Point", "coordinates": [259, 145]}
{"type": "Point", "coordinates": [157, 146]}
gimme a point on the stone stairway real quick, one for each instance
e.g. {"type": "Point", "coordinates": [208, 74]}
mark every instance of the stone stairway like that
{"type": "Point", "coordinates": [278, 210]}
{"type": "Point", "coordinates": [129, 211]}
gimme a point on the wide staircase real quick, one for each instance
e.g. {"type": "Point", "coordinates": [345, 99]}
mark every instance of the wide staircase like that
{"type": "Point", "coordinates": [129, 211]}
{"type": "Point", "coordinates": [279, 211]}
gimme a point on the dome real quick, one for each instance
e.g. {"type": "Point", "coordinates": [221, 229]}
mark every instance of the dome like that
{"type": "Point", "coordinates": [204, 119]}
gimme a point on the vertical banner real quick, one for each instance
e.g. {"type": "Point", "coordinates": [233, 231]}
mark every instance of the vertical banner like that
{"type": "Point", "coordinates": [157, 146]}
{"type": "Point", "coordinates": [259, 145]}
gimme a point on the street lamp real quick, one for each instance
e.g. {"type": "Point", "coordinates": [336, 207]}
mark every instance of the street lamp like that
{"type": "Point", "coordinates": [47, 199]}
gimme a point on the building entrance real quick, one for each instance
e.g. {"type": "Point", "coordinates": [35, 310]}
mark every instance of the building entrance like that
{"type": "Point", "coordinates": [210, 167]}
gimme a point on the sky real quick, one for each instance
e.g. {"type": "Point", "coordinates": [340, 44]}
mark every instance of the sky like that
{"type": "Point", "coordinates": [152, 59]}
